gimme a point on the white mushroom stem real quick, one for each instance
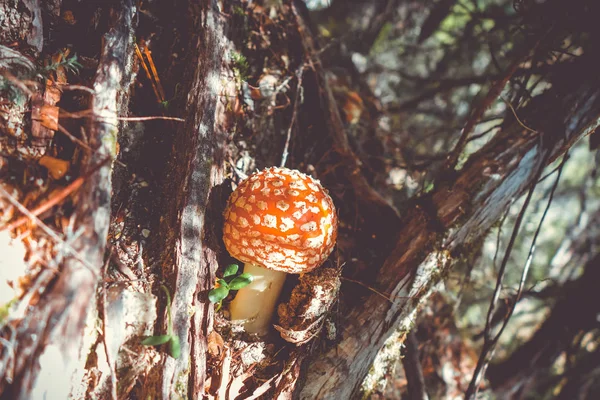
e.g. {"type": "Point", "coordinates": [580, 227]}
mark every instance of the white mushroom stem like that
{"type": "Point", "coordinates": [256, 302]}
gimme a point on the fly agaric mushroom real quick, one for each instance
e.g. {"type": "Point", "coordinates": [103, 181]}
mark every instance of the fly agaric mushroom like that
{"type": "Point", "coordinates": [277, 221]}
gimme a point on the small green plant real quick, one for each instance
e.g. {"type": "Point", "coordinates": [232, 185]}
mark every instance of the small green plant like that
{"type": "Point", "coordinates": [69, 63]}
{"type": "Point", "coordinates": [173, 340]}
{"type": "Point", "coordinates": [229, 282]}
{"type": "Point", "coordinates": [240, 65]}
{"type": "Point", "coordinates": [239, 11]}
{"type": "Point", "coordinates": [167, 103]}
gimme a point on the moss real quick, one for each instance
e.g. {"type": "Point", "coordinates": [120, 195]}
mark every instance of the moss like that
{"type": "Point", "coordinates": [241, 67]}
{"type": "Point", "coordinates": [181, 384]}
{"type": "Point", "coordinates": [384, 364]}
{"type": "Point", "coordinates": [381, 42]}
{"type": "Point", "coordinates": [5, 311]}
{"type": "Point", "coordinates": [239, 11]}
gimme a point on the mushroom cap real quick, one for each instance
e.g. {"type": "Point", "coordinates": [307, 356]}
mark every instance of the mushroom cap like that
{"type": "Point", "coordinates": [281, 219]}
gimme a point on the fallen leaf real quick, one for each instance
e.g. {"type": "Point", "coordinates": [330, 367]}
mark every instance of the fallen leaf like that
{"type": "Point", "coordinates": [56, 167]}
{"type": "Point", "coordinates": [215, 344]}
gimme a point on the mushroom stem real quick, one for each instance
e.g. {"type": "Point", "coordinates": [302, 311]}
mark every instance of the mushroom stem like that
{"type": "Point", "coordinates": [256, 302]}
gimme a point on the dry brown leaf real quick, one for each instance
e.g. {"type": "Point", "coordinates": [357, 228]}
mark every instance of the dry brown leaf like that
{"type": "Point", "coordinates": [56, 167]}
{"type": "Point", "coordinates": [215, 344]}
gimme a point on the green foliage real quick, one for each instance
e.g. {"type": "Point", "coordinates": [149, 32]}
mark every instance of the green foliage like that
{"type": "Point", "coordinates": [156, 340]}
{"type": "Point", "coordinates": [240, 65]}
{"type": "Point", "coordinates": [5, 310]}
{"type": "Point", "coordinates": [239, 11]}
{"type": "Point", "coordinates": [229, 282]}
{"type": "Point", "coordinates": [15, 93]}
{"type": "Point", "coordinates": [381, 43]}
{"type": "Point", "coordinates": [240, 281]}
{"type": "Point", "coordinates": [68, 63]}
{"type": "Point", "coordinates": [170, 338]}
{"type": "Point", "coordinates": [166, 104]}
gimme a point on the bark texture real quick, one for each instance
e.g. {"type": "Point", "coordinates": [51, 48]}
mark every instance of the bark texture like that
{"type": "Point", "coordinates": [196, 166]}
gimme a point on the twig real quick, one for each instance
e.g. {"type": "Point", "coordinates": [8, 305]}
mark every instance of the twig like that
{"type": "Point", "coordinates": [150, 118]}
{"type": "Point", "coordinates": [48, 231]}
{"type": "Point", "coordinates": [412, 369]}
{"type": "Point", "coordinates": [148, 74]}
{"type": "Point", "coordinates": [57, 198]}
{"type": "Point", "coordinates": [483, 105]}
{"type": "Point", "coordinates": [73, 138]}
{"type": "Point", "coordinates": [299, 76]}
{"type": "Point", "coordinates": [148, 55]}
{"type": "Point", "coordinates": [489, 342]}
{"type": "Point", "coordinates": [367, 287]}
{"type": "Point", "coordinates": [532, 250]}
{"type": "Point", "coordinates": [90, 114]}
{"type": "Point", "coordinates": [516, 116]}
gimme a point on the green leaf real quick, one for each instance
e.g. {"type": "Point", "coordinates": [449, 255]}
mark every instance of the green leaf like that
{"type": "Point", "coordinates": [223, 283]}
{"type": "Point", "coordinates": [231, 269]}
{"type": "Point", "coordinates": [240, 281]}
{"type": "Point", "coordinates": [218, 294]}
{"type": "Point", "coordinates": [156, 340]}
{"type": "Point", "coordinates": [175, 347]}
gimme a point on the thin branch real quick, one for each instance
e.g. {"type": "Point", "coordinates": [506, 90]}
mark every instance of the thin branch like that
{"type": "Point", "coordinates": [483, 105]}
{"type": "Point", "coordinates": [489, 342]}
{"type": "Point", "coordinates": [516, 116]}
{"type": "Point", "coordinates": [368, 287]}
{"type": "Point", "coordinates": [413, 370]}
{"type": "Point", "coordinates": [90, 114]}
{"type": "Point", "coordinates": [73, 138]}
{"type": "Point", "coordinates": [54, 200]}
{"type": "Point", "coordinates": [299, 76]}
{"type": "Point", "coordinates": [48, 231]}
{"type": "Point", "coordinates": [159, 117]}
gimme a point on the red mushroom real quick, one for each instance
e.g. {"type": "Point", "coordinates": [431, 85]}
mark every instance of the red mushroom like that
{"type": "Point", "coordinates": [277, 221]}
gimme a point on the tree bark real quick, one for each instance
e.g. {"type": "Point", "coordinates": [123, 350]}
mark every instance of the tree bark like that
{"type": "Point", "coordinates": [197, 160]}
